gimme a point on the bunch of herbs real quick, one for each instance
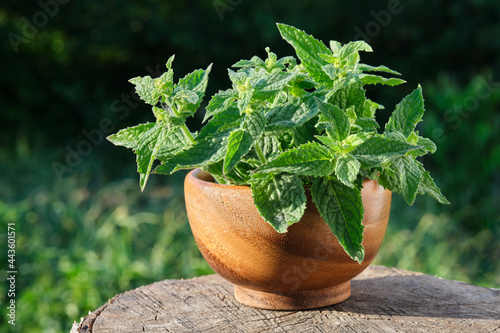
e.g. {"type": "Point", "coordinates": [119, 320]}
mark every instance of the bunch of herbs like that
{"type": "Point", "coordinates": [284, 125]}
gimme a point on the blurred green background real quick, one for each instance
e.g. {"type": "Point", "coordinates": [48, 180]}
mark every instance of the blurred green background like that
{"type": "Point", "coordinates": [85, 232]}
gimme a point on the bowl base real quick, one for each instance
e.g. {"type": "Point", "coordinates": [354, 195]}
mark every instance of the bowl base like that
{"type": "Point", "coordinates": [301, 300]}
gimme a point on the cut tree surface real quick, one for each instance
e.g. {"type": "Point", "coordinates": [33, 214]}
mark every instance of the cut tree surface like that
{"type": "Point", "coordinates": [382, 300]}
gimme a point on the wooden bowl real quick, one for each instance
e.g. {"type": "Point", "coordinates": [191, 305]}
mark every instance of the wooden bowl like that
{"type": "Point", "coordinates": [304, 268]}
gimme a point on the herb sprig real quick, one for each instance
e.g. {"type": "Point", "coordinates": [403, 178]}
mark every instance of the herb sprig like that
{"type": "Point", "coordinates": [284, 124]}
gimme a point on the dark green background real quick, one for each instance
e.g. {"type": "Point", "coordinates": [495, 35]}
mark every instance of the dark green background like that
{"type": "Point", "coordinates": [64, 71]}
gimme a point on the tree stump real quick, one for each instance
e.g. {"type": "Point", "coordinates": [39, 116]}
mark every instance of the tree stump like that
{"type": "Point", "coordinates": [382, 300]}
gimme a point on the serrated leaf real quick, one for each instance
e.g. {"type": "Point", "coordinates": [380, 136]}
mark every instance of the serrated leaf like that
{"type": "Point", "coordinates": [407, 113]}
{"type": "Point", "coordinates": [308, 49]}
{"type": "Point", "coordinates": [350, 95]}
{"type": "Point", "coordinates": [389, 180]}
{"type": "Point", "coordinates": [224, 121]}
{"type": "Point", "coordinates": [237, 78]}
{"type": "Point", "coordinates": [352, 47]}
{"type": "Point", "coordinates": [384, 69]}
{"type": "Point", "coordinates": [370, 108]}
{"type": "Point", "coordinates": [210, 149]}
{"type": "Point", "coordinates": [367, 124]}
{"type": "Point", "coordinates": [280, 199]}
{"type": "Point", "coordinates": [189, 96]}
{"type": "Point", "coordinates": [149, 144]}
{"type": "Point", "coordinates": [196, 81]}
{"type": "Point", "coordinates": [310, 159]}
{"type": "Point", "coordinates": [377, 150]}
{"type": "Point", "coordinates": [241, 140]}
{"type": "Point", "coordinates": [410, 176]}
{"type": "Point", "coordinates": [129, 137]}
{"type": "Point", "coordinates": [270, 85]}
{"type": "Point", "coordinates": [146, 89]}
{"type": "Point", "coordinates": [174, 142]}
{"type": "Point", "coordinates": [192, 88]}
{"type": "Point", "coordinates": [347, 169]}
{"type": "Point", "coordinates": [238, 145]}
{"type": "Point", "coordinates": [342, 209]}
{"type": "Point", "coordinates": [170, 61]}
{"type": "Point", "coordinates": [329, 142]}
{"type": "Point", "coordinates": [254, 62]}
{"type": "Point", "coordinates": [269, 145]}
{"type": "Point", "coordinates": [332, 71]}
{"type": "Point", "coordinates": [291, 114]}
{"type": "Point", "coordinates": [427, 186]}
{"type": "Point", "coordinates": [244, 100]}
{"type": "Point", "coordinates": [334, 120]}
{"type": "Point", "coordinates": [375, 79]}
{"type": "Point", "coordinates": [220, 102]}
{"type": "Point", "coordinates": [355, 140]}
{"type": "Point", "coordinates": [254, 123]}
{"type": "Point", "coordinates": [428, 146]}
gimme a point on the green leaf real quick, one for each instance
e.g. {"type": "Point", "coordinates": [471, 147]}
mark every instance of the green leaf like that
{"type": "Point", "coordinates": [410, 176]}
{"type": "Point", "coordinates": [427, 186]}
{"type": "Point", "coordinates": [308, 49]}
{"type": "Point", "coordinates": [269, 145]}
{"type": "Point", "coordinates": [220, 102]}
{"type": "Point", "coordinates": [355, 140]}
{"type": "Point", "coordinates": [377, 150]}
{"type": "Point", "coordinates": [334, 120]}
{"type": "Point", "coordinates": [196, 81]}
{"type": "Point", "coordinates": [329, 142]}
{"type": "Point", "coordinates": [224, 121]}
{"type": "Point", "coordinates": [342, 209]}
{"type": "Point", "coordinates": [291, 114]}
{"type": "Point", "coordinates": [238, 145]}
{"type": "Point", "coordinates": [389, 180]}
{"type": "Point", "coordinates": [352, 47]}
{"type": "Point", "coordinates": [310, 159]}
{"type": "Point", "coordinates": [270, 85]}
{"type": "Point", "coordinates": [187, 95]}
{"type": "Point", "coordinates": [367, 124]}
{"type": "Point", "coordinates": [209, 149]}
{"type": "Point", "coordinates": [347, 169]}
{"type": "Point", "coordinates": [241, 140]}
{"type": "Point", "coordinates": [370, 108]}
{"type": "Point", "coordinates": [407, 113]}
{"type": "Point", "coordinates": [254, 123]}
{"type": "Point", "coordinates": [254, 62]}
{"type": "Point", "coordinates": [350, 95]}
{"type": "Point", "coordinates": [174, 142]}
{"type": "Point", "coordinates": [428, 146]}
{"type": "Point", "coordinates": [170, 61]}
{"type": "Point", "coordinates": [146, 89]}
{"type": "Point", "coordinates": [375, 79]}
{"type": "Point", "coordinates": [129, 137]}
{"type": "Point", "coordinates": [280, 199]}
{"type": "Point", "coordinates": [244, 100]}
{"type": "Point", "coordinates": [368, 68]}
{"type": "Point", "coordinates": [149, 144]}
{"type": "Point", "coordinates": [192, 88]}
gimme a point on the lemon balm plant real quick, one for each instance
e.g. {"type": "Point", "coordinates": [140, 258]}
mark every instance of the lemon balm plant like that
{"type": "Point", "coordinates": [285, 125]}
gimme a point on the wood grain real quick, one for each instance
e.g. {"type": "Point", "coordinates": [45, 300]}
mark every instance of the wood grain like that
{"type": "Point", "coordinates": [383, 300]}
{"type": "Point", "coordinates": [304, 268]}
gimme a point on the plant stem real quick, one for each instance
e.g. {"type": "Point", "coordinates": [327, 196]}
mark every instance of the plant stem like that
{"type": "Point", "coordinates": [186, 133]}
{"type": "Point", "coordinates": [259, 152]}
{"type": "Point", "coordinates": [184, 129]}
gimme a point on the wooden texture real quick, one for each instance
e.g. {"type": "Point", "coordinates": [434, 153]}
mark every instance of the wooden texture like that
{"type": "Point", "coordinates": [304, 268]}
{"type": "Point", "coordinates": [382, 300]}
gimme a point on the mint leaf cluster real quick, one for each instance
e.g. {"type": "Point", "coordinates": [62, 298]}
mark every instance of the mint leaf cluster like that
{"type": "Point", "coordinates": [287, 123]}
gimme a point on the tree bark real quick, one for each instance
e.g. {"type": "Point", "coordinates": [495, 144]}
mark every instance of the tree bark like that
{"type": "Point", "coordinates": [382, 300]}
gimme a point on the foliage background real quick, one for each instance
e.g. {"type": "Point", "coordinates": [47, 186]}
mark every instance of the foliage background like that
{"type": "Point", "coordinates": [86, 233]}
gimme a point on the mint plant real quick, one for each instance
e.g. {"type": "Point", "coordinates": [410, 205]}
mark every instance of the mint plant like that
{"type": "Point", "coordinates": [283, 125]}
